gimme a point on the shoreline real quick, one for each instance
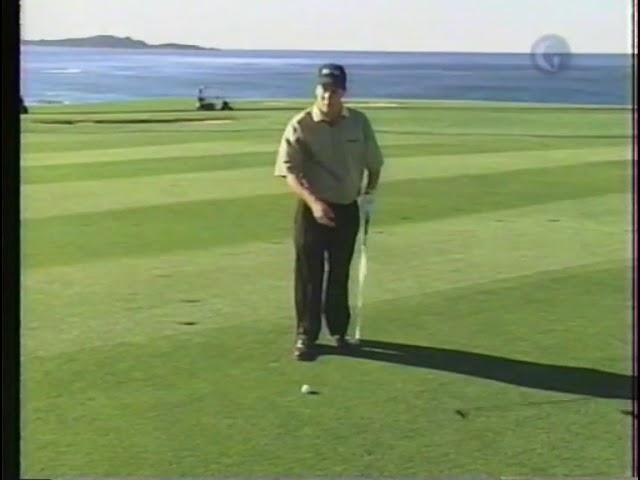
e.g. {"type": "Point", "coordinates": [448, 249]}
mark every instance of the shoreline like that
{"type": "Point", "coordinates": [26, 43]}
{"type": "Point", "coordinates": [390, 102]}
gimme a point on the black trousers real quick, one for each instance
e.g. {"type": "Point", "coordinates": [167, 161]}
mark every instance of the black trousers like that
{"type": "Point", "coordinates": [312, 241]}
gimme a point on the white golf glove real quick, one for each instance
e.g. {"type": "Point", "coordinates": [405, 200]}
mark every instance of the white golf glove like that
{"type": "Point", "coordinates": [367, 203]}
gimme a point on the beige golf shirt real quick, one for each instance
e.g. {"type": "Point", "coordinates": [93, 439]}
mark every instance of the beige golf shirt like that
{"type": "Point", "coordinates": [331, 158]}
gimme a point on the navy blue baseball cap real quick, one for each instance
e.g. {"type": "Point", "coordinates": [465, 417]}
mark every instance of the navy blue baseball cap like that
{"type": "Point", "coordinates": [332, 74]}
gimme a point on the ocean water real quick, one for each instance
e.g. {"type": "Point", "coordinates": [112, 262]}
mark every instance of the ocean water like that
{"type": "Point", "coordinates": [83, 75]}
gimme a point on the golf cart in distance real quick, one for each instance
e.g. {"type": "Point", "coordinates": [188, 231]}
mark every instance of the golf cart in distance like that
{"type": "Point", "coordinates": [209, 102]}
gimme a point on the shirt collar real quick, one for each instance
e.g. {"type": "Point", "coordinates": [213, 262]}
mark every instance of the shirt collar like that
{"type": "Point", "coordinates": [318, 116]}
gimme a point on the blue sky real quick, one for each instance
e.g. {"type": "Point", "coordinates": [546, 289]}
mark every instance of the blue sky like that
{"type": "Point", "coordinates": [598, 26]}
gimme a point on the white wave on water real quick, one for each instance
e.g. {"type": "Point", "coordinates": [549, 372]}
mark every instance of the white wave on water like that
{"type": "Point", "coordinates": [49, 102]}
{"type": "Point", "coordinates": [63, 70]}
{"type": "Point", "coordinates": [246, 60]}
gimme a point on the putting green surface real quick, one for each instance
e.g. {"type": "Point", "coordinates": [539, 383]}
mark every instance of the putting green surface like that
{"type": "Point", "coordinates": [157, 317]}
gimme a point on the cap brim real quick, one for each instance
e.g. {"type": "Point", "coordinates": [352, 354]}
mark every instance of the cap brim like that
{"type": "Point", "coordinates": [331, 80]}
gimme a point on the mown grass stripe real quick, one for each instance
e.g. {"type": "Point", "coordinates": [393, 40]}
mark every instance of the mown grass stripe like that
{"type": "Point", "coordinates": [89, 196]}
{"type": "Point", "coordinates": [440, 255]}
{"type": "Point", "coordinates": [200, 224]}
{"type": "Point", "coordinates": [135, 153]}
{"type": "Point", "coordinates": [73, 172]}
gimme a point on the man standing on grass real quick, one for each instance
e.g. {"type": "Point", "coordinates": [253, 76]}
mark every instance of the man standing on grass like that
{"type": "Point", "coordinates": [324, 154]}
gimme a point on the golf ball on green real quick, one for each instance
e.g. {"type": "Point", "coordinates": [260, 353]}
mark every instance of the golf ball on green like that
{"type": "Point", "coordinates": [305, 388]}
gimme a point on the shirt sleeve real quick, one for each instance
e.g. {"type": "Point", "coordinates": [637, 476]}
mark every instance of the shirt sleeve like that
{"type": "Point", "coordinates": [374, 159]}
{"type": "Point", "coordinates": [290, 153]}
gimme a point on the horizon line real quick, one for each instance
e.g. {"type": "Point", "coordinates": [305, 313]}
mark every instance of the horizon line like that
{"type": "Point", "coordinates": [631, 52]}
{"type": "Point", "coordinates": [319, 50]}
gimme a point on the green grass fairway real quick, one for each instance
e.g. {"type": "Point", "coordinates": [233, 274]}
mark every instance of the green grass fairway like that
{"type": "Point", "coordinates": [158, 297]}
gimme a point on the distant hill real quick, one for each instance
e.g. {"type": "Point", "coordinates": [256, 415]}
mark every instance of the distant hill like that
{"type": "Point", "coordinates": [110, 41]}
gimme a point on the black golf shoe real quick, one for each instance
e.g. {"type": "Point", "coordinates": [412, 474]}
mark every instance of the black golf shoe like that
{"type": "Point", "coordinates": [343, 344]}
{"type": "Point", "coordinates": [304, 350]}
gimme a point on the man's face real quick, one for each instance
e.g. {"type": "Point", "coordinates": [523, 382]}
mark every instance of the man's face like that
{"type": "Point", "coordinates": [329, 98]}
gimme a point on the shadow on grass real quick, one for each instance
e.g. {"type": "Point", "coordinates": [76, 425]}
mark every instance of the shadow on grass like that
{"type": "Point", "coordinates": [556, 378]}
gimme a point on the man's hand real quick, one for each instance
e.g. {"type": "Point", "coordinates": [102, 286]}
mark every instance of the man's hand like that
{"type": "Point", "coordinates": [322, 213]}
{"type": "Point", "coordinates": [367, 202]}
